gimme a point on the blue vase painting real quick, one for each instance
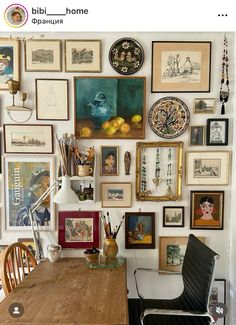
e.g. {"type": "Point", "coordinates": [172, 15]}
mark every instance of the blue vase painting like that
{"type": "Point", "coordinates": [100, 110]}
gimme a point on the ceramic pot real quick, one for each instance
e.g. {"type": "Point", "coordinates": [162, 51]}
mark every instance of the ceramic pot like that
{"type": "Point", "coordinates": [110, 247]}
{"type": "Point", "coordinates": [54, 252]}
{"type": "Point", "coordinates": [84, 170]}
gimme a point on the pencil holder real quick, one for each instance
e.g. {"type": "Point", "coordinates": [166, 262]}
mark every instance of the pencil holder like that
{"type": "Point", "coordinates": [110, 247]}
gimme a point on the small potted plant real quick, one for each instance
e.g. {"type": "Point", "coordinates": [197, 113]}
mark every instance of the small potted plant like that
{"type": "Point", "coordinates": [91, 254]}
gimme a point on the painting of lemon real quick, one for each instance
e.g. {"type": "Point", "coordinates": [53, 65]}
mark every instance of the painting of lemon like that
{"type": "Point", "coordinates": [85, 132]}
{"type": "Point", "coordinates": [124, 128]}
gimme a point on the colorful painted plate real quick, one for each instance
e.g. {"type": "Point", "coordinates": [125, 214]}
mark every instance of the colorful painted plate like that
{"type": "Point", "coordinates": [169, 117]}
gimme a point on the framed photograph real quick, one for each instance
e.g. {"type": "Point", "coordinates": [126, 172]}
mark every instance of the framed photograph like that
{"type": "Point", "coordinates": [52, 99]}
{"type": "Point", "coordinates": [196, 135]}
{"type": "Point", "coordinates": [204, 105]}
{"type": "Point", "coordinates": [206, 210]}
{"type": "Point", "coordinates": [26, 179]}
{"type": "Point", "coordinates": [79, 229]}
{"type": "Point", "coordinates": [217, 132]}
{"type": "Point", "coordinates": [140, 230]}
{"type": "Point", "coordinates": [109, 160]}
{"type": "Point", "coordinates": [218, 294]}
{"type": "Point", "coordinates": [110, 107]}
{"type": "Point", "coordinates": [181, 66]}
{"type": "Point", "coordinates": [43, 55]}
{"type": "Point", "coordinates": [28, 242]}
{"type": "Point", "coordinates": [173, 216]}
{"type": "Point", "coordinates": [9, 61]}
{"type": "Point", "coordinates": [31, 138]}
{"type": "Point", "coordinates": [207, 167]}
{"type": "Point", "coordinates": [82, 56]}
{"type": "Point", "coordinates": [115, 195]}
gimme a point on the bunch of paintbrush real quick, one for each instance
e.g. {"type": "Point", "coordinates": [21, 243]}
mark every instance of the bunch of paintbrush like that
{"type": "Point", "coordinates": [107, 226]}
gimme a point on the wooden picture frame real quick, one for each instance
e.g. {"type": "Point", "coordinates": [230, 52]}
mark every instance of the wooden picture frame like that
{"type": "Point", "coordinates": [217, 132]}
{"type": "Point", "coordinates": [109, 161]}
{"type": "Point", "coordinates": [173, 216]}
{"type": "Point", "coordinates": [204, 105]}
{"type": "Point", "coordinates": [218, 295]}
{"type": "Point", "coordinates": [115, 195]}
{"type": "Point", "coordinates": [197, 135]}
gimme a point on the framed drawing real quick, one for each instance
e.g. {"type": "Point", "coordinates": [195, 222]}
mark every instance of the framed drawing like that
{"type": "Point", "coordinates": [207, 167]}
{"type": "Point", "coordinates": [33, 138]}
{"type": "Point", "coordinates": [109, 160]}
{"type": "Point", "coordinates": [173, 216]}
{"type": "Point", "coordinates": [196, 135]}
{"type": "Point", "coordinates": [26, 179]}
{"type": "Point", "coordinates": [159, 171]}
{"type": "Point", "coordinates": [9, 61]}
{"type": "Point", "coordinates": [52, 99]}
{"type": "Point", "coordinates": [82, 55]}
{"type": "Point", "coordinates": [79, 229]}
{"type": "Point", "coordinates": [218, 295]}
{"type": "Point", "coordinates": [28, 242]}
{"type": "Point", "coordinates": [206, 210]}
{"type": "Point", "coordinates": [217, 132]}
{"type": "Point", "coordinates": [116, 195]}
{"type": "Point", "coordinates": [110, 107]}
{"type": "Point", "coordinates": [139, 230]}
{"type": "Point", "coordinates": [43, 55]}
{"type": "Point", "coordinates": [204, 105]}
{"type": "Point", "coordinates": [181, 66]}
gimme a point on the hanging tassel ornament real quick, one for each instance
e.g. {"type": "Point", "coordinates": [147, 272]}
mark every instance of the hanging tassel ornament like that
{"type": "Point", "coordinates": [224, 93]}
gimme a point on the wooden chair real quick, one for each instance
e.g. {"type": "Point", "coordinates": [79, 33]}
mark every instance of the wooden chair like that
{"type": "Point", "coordinates": [17, 262]}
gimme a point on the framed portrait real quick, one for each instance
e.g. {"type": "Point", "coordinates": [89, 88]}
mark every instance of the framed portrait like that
{"type": "Point", "coordinates": [217, 132]}
{"type": "Point", "coordinates": [173, 216]}
{"type": "Point", "coordinates": [140, 230]}
{"type": "Point", "coordinates": [218, 294]}
{"type": "Point", "coordinates": [196, 135]}
{"type": "Point", "coordinates": [26, 179]}
{"type": "Point", "coordinates": [109, 161]}
{"type": "Point", "coordinates": [207, 167]}
{"type": "Point", "coordinates": [79, 229]}
{"type": "Point", "coordinates": [110, 107]}
{"type": "Point", "coordinates": [28, 242]}
{"type": "Point", "coordinates": [52, 99]}
{"type": "Point", "coordinates": [181, 66]}
{"type": "Point", "coordinates": [206, 210]}
{"type": "Point", "coordinates": [116, 195]}
{"type": "Point", "coordinates": [82, 55]}
{"type": "Point", "coordinates": [9, 61]}
{"type": "Point", "coordinates": [43, 55]}
{"type": "Point", "coordinates": [31, 138]}
{"type": "Point", "coordinates": [204, 105]}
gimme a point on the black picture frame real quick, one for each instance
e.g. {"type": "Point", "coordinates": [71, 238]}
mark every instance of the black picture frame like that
{"type": "Point", "coordinates": [217, 132]}
{"type": "Point", "coordinates": [173, 217]}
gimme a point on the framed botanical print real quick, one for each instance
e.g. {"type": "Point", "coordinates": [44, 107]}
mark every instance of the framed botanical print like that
{"type": "Point", "coordinates": [109, 160]}
{"type": "Point", "coordinates": [196, 135]}
{"type": "Point", "coordinates": [218, 295]}
{"type": "Point", "coordinates": [173, 216]}
{"type": "Point", "coordinates": [204, 105]}
{"type": "Point", "coordinates": [217, 132]}
{"type": "Point", "coordinates": [116, 195]}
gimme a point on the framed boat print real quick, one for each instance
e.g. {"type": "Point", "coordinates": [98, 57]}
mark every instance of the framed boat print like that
{"type": "Point", "coordinates": [181, 66]}
{"type": "Point", "coordinates": [109, 161]}
{"type": "Point", "coordinates": [116, 195]}
{"type": "Point", "coordinates": [217, 132]}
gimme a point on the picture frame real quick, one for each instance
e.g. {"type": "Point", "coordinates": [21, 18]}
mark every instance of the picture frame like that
{"type": "Point", "coordinates": [110, 107]}
{"type": "Point", "coordinates": [29, 243]}
{"type": "Point", "coordinates": [217, 132]}
{"type": "Point", "coordinates": [163, 161]}
{"type": "Point", "coordinates": [204, 105]}
{"type": "Point", "coordinates": [115, 195]}
{"type": "Point", "coordinates": [83, 55]}
{"type": "Point", "coordinates": [181, 66]}
{"type": "Point", "coordinates": [207, 167]}
{"type": "Point", "coordinates": [43, 55]}
{"type": "Point", "coordinates": [207, 210]}
{"type": "Point", "coordinates": [140, 230]}
{"type": "Point", "coordinates": [28, 139]}
{"type": "Point", "coordinates": [79, 229]}
{"type": "Point", "coordinates": [25, 180]}
{"type": "Point", "coordinates": [9, 61]}
{"type": "Point", "coordinates": [197, 135]}
{"type": "Point", "coordinates": [109, 161]}
{"type": "Point", "coordinates": [218, 295]}
{"type": "Point", "coordinates": [52, 99]}
{"type": "Point", "coordinates": [173, 216]}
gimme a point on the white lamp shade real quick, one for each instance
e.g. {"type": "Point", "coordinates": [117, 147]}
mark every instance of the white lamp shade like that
{"type": "Point", "coordinates": [65, 195]}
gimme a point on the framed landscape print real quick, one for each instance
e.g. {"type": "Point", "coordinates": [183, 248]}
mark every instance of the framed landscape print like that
{"type": "Point", "coordinates": [116, 195]}
{"type": "Point", "coordinates": [204, 105]}
{"type": "Point", "coordinates": [218, 295]}
{"type": "Point", "coordinates": [43, 55]}
{"type": "Point", "coordinates": [217, 132]}
{"type": "Point", "coordinates": [110, 107]}
{"type": "Point", "coordinates": [33, 138]}
{"type": "Point", "coordinates": [26, 179]}
{"type": "Point", "coordinates": [83, 56]}
{"type": "Point", "coordinates": [139, 230]}
{"type": "Point", "coordinates": [79, 229]}
{"type": "Point", "coordinates": [9, 61]}
{"type": "Point", "coordinates": [109, 160]}
{"type": "Point", "coordinates": [173, 216]}
{"type": "Point", "coordinates": [181, 66]}
{"type": "Point", "coordinates": [206, 209]}
{"type": "Point", "coordinates": [196, 135]}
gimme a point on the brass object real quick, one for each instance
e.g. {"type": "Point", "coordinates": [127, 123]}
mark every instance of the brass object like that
{"type": "Point", "coordinates": [110, 247]}
{"type": "Point", "coordinates": [13, 86]}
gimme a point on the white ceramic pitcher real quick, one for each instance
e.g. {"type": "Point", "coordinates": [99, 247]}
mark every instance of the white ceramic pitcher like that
{"type": "Point", "coordinates": [54, 252]}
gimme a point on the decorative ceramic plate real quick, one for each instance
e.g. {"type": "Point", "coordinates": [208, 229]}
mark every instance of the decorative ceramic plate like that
{"type": "Point", "coordinates": [126, 56]}
{"type": "Point", "coordinates": [169, 117]}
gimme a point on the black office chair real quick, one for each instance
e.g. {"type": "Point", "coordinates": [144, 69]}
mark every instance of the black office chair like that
{"type": "Point", "coordinates": [192, 306]}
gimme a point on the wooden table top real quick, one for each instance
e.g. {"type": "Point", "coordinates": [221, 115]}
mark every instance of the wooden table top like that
{"type": "Point", "coordinates": [69, 293]}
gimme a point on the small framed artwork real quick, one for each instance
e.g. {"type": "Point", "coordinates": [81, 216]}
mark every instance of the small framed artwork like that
{"type": "Point", "coordinates": [28, 242]}
{"type": "Point", "coordinates": [206, 210]}
{"type": "Point", "coordinates": [33, 138]}
{"type": "Point", "coordinates": [79, 229]}
{"type": "Point", "coordinates": [43, 55]}
{"type": "Point", "coordinates": [116, 195]}
{"type": "Point", "coordinates": [196, 135]}
{"type": "Point", "coordinates": [109, 160]}
{"type": "Point", "coordinates": [181, 66]}
{"type": "Point", "coordinates": [218, 295]}
{"type": "Point", "coordinates": [173, 216]}
{"type": "Point", "coordinates": [139, 230]}
{"type": "Point", "coordinates": [207, 167]}
{"type": "Point", "coordinates": [83, 56]}
{"type": "Point", "coordinates": [217, 132]}
{"type": "Point", "coordinates": [204, 105]}
{"type": "Point", "coordinates": [52, 100]}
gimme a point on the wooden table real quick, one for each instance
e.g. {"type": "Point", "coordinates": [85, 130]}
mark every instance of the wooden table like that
{"type": "Point", "coordinates": [69, 293]}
